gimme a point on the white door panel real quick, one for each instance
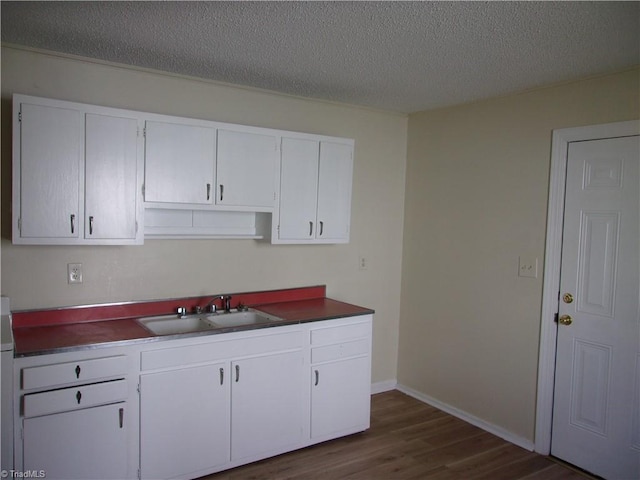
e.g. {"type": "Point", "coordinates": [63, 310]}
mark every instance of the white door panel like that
{"type": "Point", "coordinates": [595, 415]}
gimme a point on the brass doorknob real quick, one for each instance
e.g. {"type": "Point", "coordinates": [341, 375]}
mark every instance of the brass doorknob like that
{"type": "Point", "coordinates": [565, 320]}
{"type": "Point", "coordinates": [567, 298]}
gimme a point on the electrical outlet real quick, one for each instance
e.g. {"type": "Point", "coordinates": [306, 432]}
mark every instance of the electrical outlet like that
{"type": "Point", "coordinates": [74, 272]}
{"type": "Point", "coordinates": [363, 263]}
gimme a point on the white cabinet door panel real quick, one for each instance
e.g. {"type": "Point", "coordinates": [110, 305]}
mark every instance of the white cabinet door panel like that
{"type": "Point", "coordinates": [83, 444]}
{"type": "Point", "coordinates": [298, 188]}
{"type": "Point", "coordinates": [179, 163]}
{"type": "Point", "coordinates": [334, 191]}
{"type": "Point", "coordinates": [184, 421]}
{"type": "Point", "coordinates": [246, 169]}
{"type": "Point", "coordinates": [340, 397]}
{"type": "Point", "coordinates": [110, 177]}
{"type": "Point", "coordinates": [51, 159]}
{"type": "Point", "coordinates": [267, 404]}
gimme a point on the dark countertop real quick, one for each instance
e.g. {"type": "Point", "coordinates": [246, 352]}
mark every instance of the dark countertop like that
{"type": "Point", "coordinates": [37, 340]}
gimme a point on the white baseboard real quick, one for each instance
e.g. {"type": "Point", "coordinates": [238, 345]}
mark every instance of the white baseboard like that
{"type": "Point", "coordinates": [384, 386]}
{"type": "Point", "coordinates": [462, 415]}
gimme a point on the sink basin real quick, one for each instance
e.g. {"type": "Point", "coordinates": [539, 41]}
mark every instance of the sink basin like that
{"type": "Point", "coordinates": [238, 319]}
{"type": "Point", "coordinates": [171, 324]}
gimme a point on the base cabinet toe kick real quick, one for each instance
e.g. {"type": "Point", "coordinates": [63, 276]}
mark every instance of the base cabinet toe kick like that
{"type": "Point", "coordinates": [182, 408]}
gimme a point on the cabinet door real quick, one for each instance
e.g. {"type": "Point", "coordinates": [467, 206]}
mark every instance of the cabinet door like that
{"type": "Point", "coordinates": [334, 192]}
{"type": "Point", "coordinates": [267, 404]}
{"type": "Point", "coordinates": [184, 421]}
{"type": "Point", "coordinates": [298, 189]}
{"type": "Point", "coordinates": [179, 163]}
{"type": "Point", "coordinates": [50, 166]}
{"type": "Point", "coordinates": [340, 397]}
{"type": "Point", "coordinates": [246, 169]}
{"type": "Point", "coordinates": [81, 444]}
{"type": "Point", "coordinates": [111, 185]}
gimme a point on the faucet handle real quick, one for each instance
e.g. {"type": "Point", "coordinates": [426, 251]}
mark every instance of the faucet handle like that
{"type": "Point", "coordinates": [182, 311]}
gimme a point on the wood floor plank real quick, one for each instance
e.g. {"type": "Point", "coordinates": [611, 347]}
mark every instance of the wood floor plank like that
{"type": "Point", "coordinates": [408, 440]}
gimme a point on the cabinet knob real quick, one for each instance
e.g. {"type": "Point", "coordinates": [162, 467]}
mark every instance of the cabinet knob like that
{"type": "Point", "coordinates": [73, 222]}
{"type": "Point", "coordinates": [91, 225]}
{"type": "Point", "coordinates": [310, 229]}
{"type": "Point", "coordinates": [237, 373]}
{"type": "Point", "coordinates": [221, 376]}
{"type": "Point", "coordinates": [208, 191]}
{"type": "Point", "coordinates": [317, 377]}
{"type": "Point", "coordinates": [78, 369]}
{"type": "Point", "coordinates": [78, 396]}
{"type": "Point", "coordinates": [221, 192]}
{"type": "Point", "coordinates": [321, 228]}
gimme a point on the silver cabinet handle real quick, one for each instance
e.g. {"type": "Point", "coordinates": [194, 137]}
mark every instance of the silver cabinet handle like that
{"type": "Point", "coordinates": [78, 396]}
{"type": "Point", "coordinates": [321, 228]}
{"type": "Point", "coordinates": [317, 377]}
{"type": "Point", "coordinates": [121, 416]}
{"type": "Point", "coordinates": [221, 192]}
{"type": "Point", "coordinates": [310, 229]}
{"type": "Point", "coordinates": [78, 370]}
{"type": "Point", "coordinates": [91, 225]}
{"type": "Point", "coordinates": [237, 373]}
{"type": "Point", "coordinates": [73, 223]}
{"type": "Point", "coordinates": [208, 191]}
{"type": "Point", "coordinates": [221, 376]}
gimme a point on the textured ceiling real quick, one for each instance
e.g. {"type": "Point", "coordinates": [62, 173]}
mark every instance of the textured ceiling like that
{"type": "Point", "coordinates": [399, 56]}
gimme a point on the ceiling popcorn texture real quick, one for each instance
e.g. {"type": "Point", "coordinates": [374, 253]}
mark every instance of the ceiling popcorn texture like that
{"type": "Point", "coordinates": [397, 56]}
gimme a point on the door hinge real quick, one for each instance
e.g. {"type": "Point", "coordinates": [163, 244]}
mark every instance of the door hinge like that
{"type": "Point", "coordinates": [138, 389]}
{"type": "Point", "coordinates": [144, 132]}
{"type": "Point", "coordinates": [20, 225]}
{"type": "Point", "coordinates": [139, 474]}
{"type": "Point", "coordinates": [19, 116]}
{"type": "Point", "coordinates": [555, 317]}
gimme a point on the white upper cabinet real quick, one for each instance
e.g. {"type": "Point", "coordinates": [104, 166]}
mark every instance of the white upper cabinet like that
{"type": "Point", "coordinates": [247, 166]}
{"type": "Point", "coordinates": [111, 177]}
{"type": "Point", "coordinates": [47, 172]}
{"type": "Point", "coordinates": [179, 163]}
{"type": "Point", "coordinates": [315, 191]}
{"type": "Point", "coordinates": [77, 174]}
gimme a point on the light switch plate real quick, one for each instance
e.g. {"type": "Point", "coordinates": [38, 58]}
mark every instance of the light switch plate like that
{"type": "Point", "coordinates": [528, 267]}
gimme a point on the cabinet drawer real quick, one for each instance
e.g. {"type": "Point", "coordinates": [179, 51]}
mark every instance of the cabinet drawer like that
{"type": "Point", "coordinates": [71, 372]}
{"type": "Point", "coordinates": [340, 350]}
{"type": "Point", "coordinates": [72, 398]}
{"type": "Point", "coordinates": [329, 335]}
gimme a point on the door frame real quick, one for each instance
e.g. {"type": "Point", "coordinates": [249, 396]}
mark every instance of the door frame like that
{"type": "Point", "coordinates": [551, 279]}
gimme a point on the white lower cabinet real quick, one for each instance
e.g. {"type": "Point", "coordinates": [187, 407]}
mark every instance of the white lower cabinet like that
{"type": "Point", "coordinates": [81, 444]}
{"type": "Point", "coordinates": [267, 404]}
{"type": "Point", "coordinates": [184, 421]}
{"type": "Point", "coordinates": [76, 415]}
{"type": "Point", "coordinates": [182, 408]}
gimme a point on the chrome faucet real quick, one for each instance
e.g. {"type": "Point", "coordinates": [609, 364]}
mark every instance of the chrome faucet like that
{"type": "Point", "coordinates": [226, 299]}
{"type": "Point", "coordinates": [226, 304]}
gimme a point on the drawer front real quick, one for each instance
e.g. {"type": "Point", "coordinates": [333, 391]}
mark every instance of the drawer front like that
{"type": "Point", "coordinates": [73, 372]}
{"type": "Point", "coordinates": [329, 335]}
{"type": "Point", "coordinates": [221, 350]}
{"type": "Point", "coordinates": [340, 350]}
{"type": "Point", "coordinates": [73, 398]}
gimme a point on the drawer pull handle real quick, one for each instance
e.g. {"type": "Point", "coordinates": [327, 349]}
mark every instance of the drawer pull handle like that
{"type": "Point", "coordinates": [321, 228]}
{"type": "Point", "coordinates": [221, 192]}
{"type": "Point", "coordinates": [78, 396]}
{"type": "Point", "coordinates": [208, 191]}
{"type": "Point", "coordinates": [221, 376]}
{"type": "Point", "coordinates": [73, 223]}
{"type": "Point", "coordinates": [91, 225]}
{"type": "Point", "coordinates": [310, 228]}
{"type": "Point", "coordinates": [237, 373]}
{"type": "Point", "coordinates": [121, 417]}
{"type": "Point", "coordinates": [78, 371]}
{"type": "Point", "coordinates": [317, 377]}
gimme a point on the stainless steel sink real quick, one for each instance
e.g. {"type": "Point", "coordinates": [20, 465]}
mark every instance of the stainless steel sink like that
{"type": "Point", "coordinates": [171, 324]}
{"type": "Point", "coordinates": [174, 325]}
{"type": "Point", "coordinates": [238, 319]}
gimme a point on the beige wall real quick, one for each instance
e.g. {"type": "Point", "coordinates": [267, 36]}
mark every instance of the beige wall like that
{"type": "Point", "coordinates": [476, 199]}
{"type": "Point", "coordinates": [35, 277]}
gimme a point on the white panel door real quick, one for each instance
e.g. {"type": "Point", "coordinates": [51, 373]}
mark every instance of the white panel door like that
{"type": "Point", "coordinates": [266, 404]}
{"type": "Point", "coordinates": [111, 170]}
{"type": "Point", "coordinates": [246, 169]}
{"type": "Point", "coordinates": [184, 421]}
{"type": "Point", "coordinates": [334, 192]}
{"type": "Point", "coordinates": [298, 189]}
{"type": "Point", "coordinates": [179, 163]}
{"type": "Point", "coordinates": [51, 169]}
{"type": "Point", "coordinates": [596, 401]}
{"type": "Point", "coordinates": [82, 444]}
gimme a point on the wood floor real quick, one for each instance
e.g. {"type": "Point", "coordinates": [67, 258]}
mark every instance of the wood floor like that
{"type": "Point", "coordinates": [408, 440]}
